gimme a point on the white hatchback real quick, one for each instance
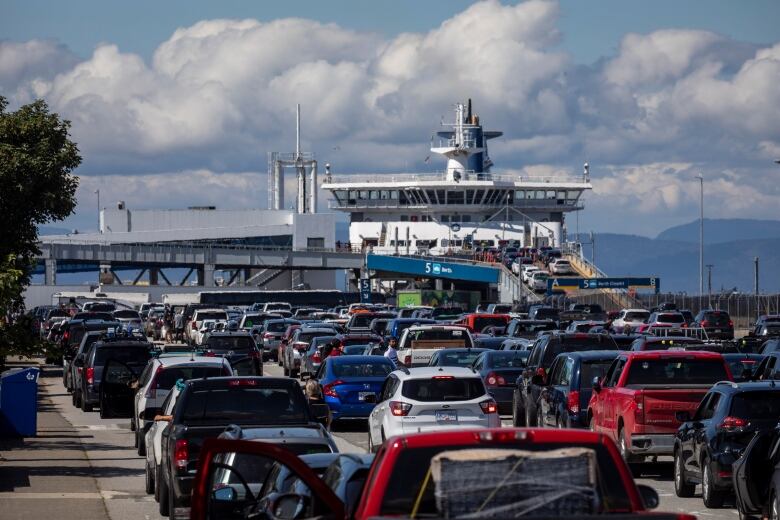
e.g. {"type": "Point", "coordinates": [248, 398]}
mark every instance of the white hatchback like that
{"type": "Point", "coordinates": [430, 399]}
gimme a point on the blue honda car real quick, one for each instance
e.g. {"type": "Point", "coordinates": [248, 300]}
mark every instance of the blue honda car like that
{"type": "Point", "coordinates": [351, 384]}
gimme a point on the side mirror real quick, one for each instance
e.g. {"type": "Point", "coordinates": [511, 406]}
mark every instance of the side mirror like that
{"type": "Point", "coordinates": [682, 416]}
{"type": "Point", "coordinates": [225, 494]}
{"type": "Point", "coordinates": [596, 385]}
{"type": "Point", "coordinates": [649, 496]}
{"type": "Point", "coordinates": [289, 506]}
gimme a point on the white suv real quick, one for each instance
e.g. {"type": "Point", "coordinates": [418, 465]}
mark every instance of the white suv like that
{"type": "Point", "coordinates": [199, 316]}
{"type": "Point", "coordinates": [153, 444]}
{"type": "Point", "coordinates": [561, 266]}
{"type": "Point", "coordinates": [430, 399]}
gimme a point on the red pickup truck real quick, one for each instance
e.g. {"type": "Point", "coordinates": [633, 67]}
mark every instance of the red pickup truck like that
{"type": "Point", "coordinates": [636, 401]}
{"type": "Point", "coordinates": [399, 478]}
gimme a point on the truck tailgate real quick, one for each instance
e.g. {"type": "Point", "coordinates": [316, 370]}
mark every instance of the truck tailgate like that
{"type": "Point", "coordinates": [661, 405]}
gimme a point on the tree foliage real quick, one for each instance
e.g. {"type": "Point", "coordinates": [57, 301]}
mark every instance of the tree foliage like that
{"type": "Point", "coordinates": [37, 186]}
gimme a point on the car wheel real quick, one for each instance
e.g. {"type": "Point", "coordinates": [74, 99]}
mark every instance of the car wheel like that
{"type": "Point", "coordinates": [284, 369]}
{"type": "Point", "coordinates": [774, 507]}
{"type": "Point", "coordinates": [104, 414]}
{"type": "Point", "coordinates": [630, 459]}
{"type": "Point", "coordinates": [157, 481]}
{"type": "Point", "coordinates": [132, 424]}
{"type": "Point", "coordinates": [141, 444]}
{"type": "Point", "coordinates": [135, 439]}
{"type": "Point", "coordinates": [162, 498]}
{"type": "Point", "coordinates": [539, 419]}
{"type": "Point", "coordinates": [73, 399]}
{"type": "Point", "coordinates": [149, 480]}
{"type": "Point", "coordinates": [171, 504]}
{"type": "Point", "coordinates": [371, 447]}
{"type": "Point", "coordinates": [85, 406]}
{"type": "Point", "coordinates": [681, 486]}
{"type": "Point", "coordinates": [518, 415]}
{"type": "Point", "coordinates": [711, 496]}
{"type": "Point", "coordinates": [529, 419]}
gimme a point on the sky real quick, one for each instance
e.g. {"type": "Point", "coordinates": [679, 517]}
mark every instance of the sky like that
{"type": "Point", "coordinates": [177, 103]}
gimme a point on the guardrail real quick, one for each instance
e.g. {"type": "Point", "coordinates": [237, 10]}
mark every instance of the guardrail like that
{"type": "Point", "coordinates": [443, 176]}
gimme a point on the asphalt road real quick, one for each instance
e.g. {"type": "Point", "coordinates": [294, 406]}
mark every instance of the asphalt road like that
{"type": "Point", "coordinates": [119, 472]}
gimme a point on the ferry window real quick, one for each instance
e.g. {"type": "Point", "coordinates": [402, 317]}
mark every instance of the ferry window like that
{"type": "Point", "coordinates": [373, 195]}
{"type": "Point", "coordinates": [404, 218]}
{"type": "Point", "coordinates": [539, 195]}
{"type": "Point", "coordinates": [445, 242]}
{"type": "Point", "coordinates": [352, 195]}
{"type": "Point", "coordinates": [529, 195]}
{"type": "Point", "coordinates": [440, 196]}
{"type": "Point", "coordinates": [363, 194]}
{"type": "Point", "coordinates": [465, 218]}
{"type": "Point", "coordinates": [478, 196]}
{"type": "Point", "coordinates": [550, 195]}
{"type": "Point", "coordinates": [455, 197]}
{"type": "Point", "coordinates": [413, 218]}
{"type": "Point", "coordinates": [426, 218]}
{"type": "Point", "coordinates": [519, 194]}
{"type": "Point", "coordinates": [572, 195]}
{"type": "Point", "coordinates": [315, 242]}
{"type": "Point", "coordinates": [394, 195]}
{"type": "Point", "coordinates": [561, 195]}
{"type": "Point", "coordinates": [431, 196]}
{"type": "Point", "coordinates": [469, 196]}
{"type": "Point", "coordinates": [457, 243]}
{"type": "Point", "coordinates": [455, 218]}
{"type": "Point", "coordinates": [445, 218]}
{"type": "Point", "coordinates": [402, 198]}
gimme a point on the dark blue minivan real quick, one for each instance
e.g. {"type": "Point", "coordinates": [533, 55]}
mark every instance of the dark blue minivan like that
{"type": "Point", "coordinates": [563, 401]}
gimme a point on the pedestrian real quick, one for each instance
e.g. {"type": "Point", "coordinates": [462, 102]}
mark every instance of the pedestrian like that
{"type": "Point", "coordinates": [331, 348]}
{"type": "Point", "coordinates": [392, 352]}
{"type": "Point", "coordinates": [314, 397]}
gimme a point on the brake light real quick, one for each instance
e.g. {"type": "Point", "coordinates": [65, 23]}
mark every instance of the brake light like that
{"type": "Point", "coordinates": [400, 409]}
{"type": "Point", "coordinates": [66, 335]}
{"type": "Point", "coordinates": [209, 353]}
{"type": "Point", "coordinates": [181, 454]}
{"type": "Point", "coordinates": [443, 377]}
{"type": "Point", "coordinates": [90, 375]}
{"type": "Point", "coordinates": [541, 372]}
{"type": "Point", "coordinates": [489, 406]}
{"type": "Point", "coordinates": [494, 379]}
{"type": "Point", "coordinates": [194, 324]}
{"type": "Point", "coordinates": [573, 402]}
{"type": "Point", "coordinates": [705, 323]}
{"type": "Point", "coordinates": [268, 335]}
{"type": "Point", "coordinates": [731, 323]}
{"type": "Point", "coordinates": [639, 408]}
{"type": "Point", "coordinates": [316, 357]}
{"type": "Point", "coordinates": [330, 389]}
{"type": "Point", "coordinates": [152, 392]}
{"type": "Point", "coordinates": [408, 360]}
{"type": "Point", "coordinates": [731, 424]}
{"type": "Point", "coordinates": [242, 382]}
{"type": "Point", "coordinates": [502, 436]}
{"type": "Point", "coordinates": [254, 354]}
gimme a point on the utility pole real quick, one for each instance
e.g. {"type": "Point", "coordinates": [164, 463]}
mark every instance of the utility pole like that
{"type": "Point", "coordinates": [592, 249]}
{"type": "Point", "coordinates": [97, 192]}
{"type": "Point", "coordinates": [755, 275]}
{"type": "Point", "coordinates": [701, 236]}
{"type": "Point", "coordinates": [709, 285]}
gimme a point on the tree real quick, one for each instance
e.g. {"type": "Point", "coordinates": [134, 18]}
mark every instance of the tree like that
{"type": "Point", "coordinates": [37, 186]}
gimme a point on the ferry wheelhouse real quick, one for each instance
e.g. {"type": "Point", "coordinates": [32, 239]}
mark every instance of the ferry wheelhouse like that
{"type": "Point", "coordinates": [464, 207]}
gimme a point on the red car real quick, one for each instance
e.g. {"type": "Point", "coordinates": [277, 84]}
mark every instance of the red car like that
{"type": "Point", "coordinates": [399, 478]}
{"type": "Point", "coordinates": [478, 321]}
{"type": "Point", "coordinates": [636, 401]}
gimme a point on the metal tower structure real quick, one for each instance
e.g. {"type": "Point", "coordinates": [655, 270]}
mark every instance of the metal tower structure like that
{"type": "Point", "coordinates": [305, 167]}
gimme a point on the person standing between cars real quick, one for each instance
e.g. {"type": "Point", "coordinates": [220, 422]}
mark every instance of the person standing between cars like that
{"type": "Point", "coordinates": [314, 396]}
{"type": "Point", "coordinates": [392, 353]}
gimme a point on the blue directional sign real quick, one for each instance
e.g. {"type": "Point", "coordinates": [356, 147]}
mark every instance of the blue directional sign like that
{"type": "Point", "coordinates": [428, 268]}
{"type": "Point", "coordinates": [603, 283]}
{"type": "Point", "coordinates": [365, 290]}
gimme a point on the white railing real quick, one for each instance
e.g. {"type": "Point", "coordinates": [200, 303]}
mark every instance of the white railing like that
{"type": "Point", "coordinates": [465, 176]}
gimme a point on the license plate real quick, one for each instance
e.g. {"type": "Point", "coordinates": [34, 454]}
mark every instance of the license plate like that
{"type": "Point", "coordinates": [362, 395]}
{"type": "Point", "coordinates": [717, 331]}
{"type": "Point", "coordinates": [446, 416]}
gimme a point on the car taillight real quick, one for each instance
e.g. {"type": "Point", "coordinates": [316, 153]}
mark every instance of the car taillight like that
{"type": "Point", "coordinates": [489, 406]}
{"type": "Point", "coordinates": [152, 392]}
{"type": "Point", "coordinates": [316, 357]}
{"type": "Point", "coordinates": [494, 379]}
{"type": "Point", "coordinates": [194, 324]}
{"type": "Point", "coordinates": [90, 375]}
{"type": "Point", "coordinates": [330, 389]}
{"type": "Point", "coordinates": [731, 323]}
{"type": "Point", "coordinates": [268, 335]}
{"type": "Point", "coordinates": [255, 354]}
{"type": "Point", "coordinates": [210, 353]}
{"type": "Point", "coordinates": [705, 323]}
{"type": "Point", "coordinates": [66, 335]}
{"type": "Point", "coordinates": [408, 360]}
{"type": "Point", "coordinates": [639, 408]}
{"type": "Point", "coordinates": [399, 409]}
{"type": "Point", "coordinates": [181, 454]}
{"type": "Point", "coordinates": [573, 402]}
{"type": "Point", "coordinates": [541, 372]}
{"type": "Point", "coordinates": [731, 424]}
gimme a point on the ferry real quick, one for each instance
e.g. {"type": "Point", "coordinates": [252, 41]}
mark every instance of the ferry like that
{"type": "Point", "coordinates": [463, 207]}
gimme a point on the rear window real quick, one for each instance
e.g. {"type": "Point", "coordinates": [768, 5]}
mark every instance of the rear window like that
{"type": "Point", "coordinates": [756, 405]}
{"type": "Point", "coordinates": [576, 345]}
{"type": "Point", "coordinates": [671, 318]}
{"type": "Point", "coordinates": [546, 314]}
{"type": "Point", "coordinates": [168, 377]}
{"type": "Point", "coordinates": [412, 465]}
{"type": "Point", "coordinates": [457, 359]}
{"type": "Point", "coordinates": [509, 359]}
{"type": "Point", "coordinates": [636, 316]}
{"type": "Point", "coordinates": [458, 336]}
{"type": "Point", "coordinates": [443, 389]}
{"type": "Point", "coordinates": [676, 371]}
{"type": "Point", "coordinates": [362, 320]}
{"type": "Point", "coordinates": [276, 326]}
{"type": "Point", "coordinates": [306, 337]}
{"type": "Point", "coordinates": [362, 340]}
{"type": "Point", "coordinates": [212, 316]}
{"type": "Point", "coordinates": [227, 343]}
{"type": "Point", "coordinates": [354, 369]}
{"type": "Point", "coordinates": [128, 314]}
{"type": "Point", "coordinates": [591, 369]}
{"type": "Point", "coordinates": [741, 369]}
{"type": "Point", "coordinates": [245, 404]}
{"type": "Point", "coordinates": [480, 322]}
{"type": "Point", "coordinates": [58, 313]}
{"type": "Point", "coordinates": [124, 354]}
{"type": "Point", "coordinates": [717, 318]}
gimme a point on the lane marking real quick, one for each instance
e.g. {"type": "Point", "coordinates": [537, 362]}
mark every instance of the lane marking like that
{"type": "Point", "coordinates": [45, 496]}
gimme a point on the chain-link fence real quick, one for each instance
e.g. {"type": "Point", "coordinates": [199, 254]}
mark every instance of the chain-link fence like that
{"type": "Point", "coordinates": [743, 308]}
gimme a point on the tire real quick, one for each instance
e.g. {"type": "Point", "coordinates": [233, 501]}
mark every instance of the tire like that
{"type": "Point", "coordinates": [712, 497]}
{"type": "Point", "coordinates": [132, 424]}
{"type": "Point", "coordinates": [157, 480]}
{"type": "Point", "coordinates": [76, 398]}
{"type": "Point", "coordinates": [85, 406]}
{"type": "Point", "coordinates": [162, 497]}
{"type": "Point", "coordinates": [141, 444]}
{"type": "Point", "coordinates": [104, 413]}
{"type": "Point", "coordinates": [539, 418]}
{"type": "Point", "coordinates": [149, 483]}
{"type": "Point", "coordinates": [73, 399]}
{"type": "Point", "coordinates": [681, 487]}
{"type": "Point", "coordinates": [633, 462]}
{"type": "Point", "coordinates": [371, 447]}
{"type": "Point", "coordinates": [529, 420]}
{"type": "Point", "coordinates": [746, 516]}
{"type": "Point", "coordinates": [171, 505]}
{"type": "Point", "coordinates": [774, 507]}
{"type": "Point", "coordinates": [135, 438]}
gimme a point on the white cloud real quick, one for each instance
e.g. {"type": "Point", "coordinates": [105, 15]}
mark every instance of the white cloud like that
{"type": "Point", "coordinates": [217, 96]}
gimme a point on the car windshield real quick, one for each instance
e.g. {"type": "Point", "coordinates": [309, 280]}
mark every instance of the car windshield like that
{"type": "Point", "coordinates": [763, 404]}
{"type": "Point", "coordinates": [168, 377]}
{"type": "Point", "coordinates": [362, 369]}
{"type": "Point", "coordinates": [509, 359]}
{"type": "Point", "coordinates": [719, 319]}
{"type": "Point", "coordinates": [245, 404]}
{"type": "Point", "coordinates": [443, 388]}
{"type": "Point", "coordinates": [353, 350]}
{"type": "Point", "coordinates": [306, 337]}
{"type": "Point", "coordinates": [593, 369]}
{"type": "Point", "coordinates": [412, 467]}
{"type": "Point", "coordinates": [676, 371]}
{"type": "Point", "coordinates": [230, 343]}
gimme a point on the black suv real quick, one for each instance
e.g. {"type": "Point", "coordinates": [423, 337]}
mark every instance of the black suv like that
{"type": "Point", "coordinates": [707, 444]}
{"type": "Point", "coordinates": [718, 324]}
{"type": "Point", "coordinates": [239, 348]}
{"type": "Point", "coordinates": [529, 385]}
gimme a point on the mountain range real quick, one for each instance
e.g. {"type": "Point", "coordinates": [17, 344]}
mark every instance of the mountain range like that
{"type": "Point", "coordinates": [730, 245]}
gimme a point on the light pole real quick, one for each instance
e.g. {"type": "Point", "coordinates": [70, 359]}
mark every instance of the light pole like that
{"type": "Point", "coordinates": [97, 192]}
{"type": "Point", "coordinates": [701, 236]}
{"type": "Point", "coordinates": [709, 285]}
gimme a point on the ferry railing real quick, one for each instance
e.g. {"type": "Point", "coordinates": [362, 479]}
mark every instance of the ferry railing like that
{"type": "Point", "coordinates": [344, 247]}
{"type": "Point", "coordinates": [467, 175]}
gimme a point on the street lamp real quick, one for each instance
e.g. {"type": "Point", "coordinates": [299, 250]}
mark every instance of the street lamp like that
{"type": "Point", "coordinates": [97, 192]}
{"type": "Point", "coordinates": [701, 236]}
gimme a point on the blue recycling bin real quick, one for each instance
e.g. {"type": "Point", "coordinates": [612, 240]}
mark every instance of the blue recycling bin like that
{"type": "Point", "coordinates": [19, 402]}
